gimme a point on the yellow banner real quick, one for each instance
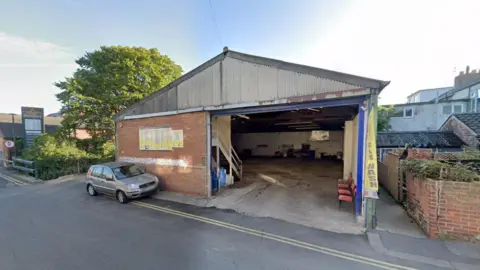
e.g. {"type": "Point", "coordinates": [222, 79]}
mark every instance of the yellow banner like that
{"type": "Point", "coordinates": [370, 172]}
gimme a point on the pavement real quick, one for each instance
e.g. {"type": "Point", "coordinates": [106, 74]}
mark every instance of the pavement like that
{"type": "Point", "coordinates": [57, 225]}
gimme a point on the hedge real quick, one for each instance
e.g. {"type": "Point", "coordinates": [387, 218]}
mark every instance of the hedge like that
{"type": "Point", "coordinates": [438, 170]}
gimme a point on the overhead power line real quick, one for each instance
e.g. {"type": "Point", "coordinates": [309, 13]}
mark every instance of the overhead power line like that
{"type": "Point", "coordinates": [215, 23]}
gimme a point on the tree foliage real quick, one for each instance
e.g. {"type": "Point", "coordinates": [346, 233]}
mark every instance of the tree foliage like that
{"type": "Point", "coordinates": [47, 146]}
{"type": "Point", "coordinates": [383, 116]}
{"type": "Point", "coordinates": [107, 81]}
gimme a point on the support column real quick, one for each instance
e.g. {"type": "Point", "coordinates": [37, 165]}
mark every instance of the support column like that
{"type": "Point", "coordinates": [360, 157]}
{"type": "Point", "coordinates": [370, 203]}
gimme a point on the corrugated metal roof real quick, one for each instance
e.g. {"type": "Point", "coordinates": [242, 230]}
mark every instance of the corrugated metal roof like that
{"type": "Point", "coordinates": [237, 78]}
{"type": "Point", "coordinates": [429, 139]}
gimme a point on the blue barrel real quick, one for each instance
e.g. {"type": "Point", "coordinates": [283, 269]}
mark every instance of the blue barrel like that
{"type": "Point", "coordinates": [223, 177]}
{"type": "Point", "coordinates": [214, 180]}
{"type": "Point", "coordinates": [311, 155]}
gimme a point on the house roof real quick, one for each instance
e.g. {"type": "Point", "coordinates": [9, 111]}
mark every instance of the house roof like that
{"type": "Point", "coordinates": [456, 89]}
{"type": "Point", "coordinates": [427, 139]}
{"type": "Point", "coordinates": [471, 120]}
{"type": "Point", "coordinates": [7, 129]}
{"type": "Point", "coordinates": [429, 89]}
{"type": "Point", "coordinates": [427, 102]}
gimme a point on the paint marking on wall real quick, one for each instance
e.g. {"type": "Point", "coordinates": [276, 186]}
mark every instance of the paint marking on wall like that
{"type": "Point", "coordinates": [156, 161]}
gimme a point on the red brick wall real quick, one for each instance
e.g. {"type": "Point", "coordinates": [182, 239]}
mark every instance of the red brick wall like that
{"type": "Point", "coordinates": [445, 208]}
{"type": "Point", "coordinates": [190, 179]}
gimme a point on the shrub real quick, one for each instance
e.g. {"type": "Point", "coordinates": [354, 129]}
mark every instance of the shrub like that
{"type": "Point", "coordinates": [45, 146]}
{"type": "Point", "coordinates": [56, 157]}
{"type": "Point", "coordinates": [439, 170]}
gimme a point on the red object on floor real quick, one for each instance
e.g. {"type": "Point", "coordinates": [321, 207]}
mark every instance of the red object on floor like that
{"type": "Point", "coordinates": [344, 192]}
{"type": "Point", "coordinates": [346, 185]}
{"type": "Point", "coordinates": [347, 195]}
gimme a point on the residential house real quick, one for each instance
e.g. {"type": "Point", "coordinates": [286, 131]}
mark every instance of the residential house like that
{"type": "Point", "coordinates": [429, 109]}
{"type": "Point", "coordinates": [426, 95]}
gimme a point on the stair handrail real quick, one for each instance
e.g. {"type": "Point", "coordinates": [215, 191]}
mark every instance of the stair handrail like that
{"type": "Point", "coordinates": [229, 152]}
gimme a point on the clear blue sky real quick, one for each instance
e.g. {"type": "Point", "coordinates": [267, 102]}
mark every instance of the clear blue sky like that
{"type": "Point", "coordinates": [414, 45]}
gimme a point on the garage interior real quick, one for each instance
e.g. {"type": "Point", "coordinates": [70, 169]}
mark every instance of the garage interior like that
{"type": "Point", "coordinates": [286, 165]}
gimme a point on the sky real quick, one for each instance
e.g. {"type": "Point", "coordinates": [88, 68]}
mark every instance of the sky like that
{"type": "Point", "coordinates": [414, 44]}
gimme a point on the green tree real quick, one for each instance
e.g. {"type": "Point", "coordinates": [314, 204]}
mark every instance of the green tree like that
{"type": "Point", "coordinates": [109, 80]}
{"type": "Point", "coordinates": [383, 117]}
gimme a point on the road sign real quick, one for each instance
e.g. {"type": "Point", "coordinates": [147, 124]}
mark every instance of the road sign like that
{"type": "Point", "coordinates": [9, 144]}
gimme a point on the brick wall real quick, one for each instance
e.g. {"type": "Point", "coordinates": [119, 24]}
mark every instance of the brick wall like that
{"type": "Point", "coordinates": [189, 179]}
{"type": "Point", "coordinates": [445, 208]}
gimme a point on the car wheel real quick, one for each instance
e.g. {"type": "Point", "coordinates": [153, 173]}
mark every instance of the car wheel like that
{"type": "Point", "coordinates": [91, 190]}
{"type": "Point", "coordinates": [121, 197]}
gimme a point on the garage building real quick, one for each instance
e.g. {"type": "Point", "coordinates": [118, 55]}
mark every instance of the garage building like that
{"type": "Point", "coordinates": [252, 121]}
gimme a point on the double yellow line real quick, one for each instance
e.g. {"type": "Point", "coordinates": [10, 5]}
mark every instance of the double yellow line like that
{"type": "Point", "coordinates": [278, 238]}
{"type": "Point", "coordinates": [12, 180]}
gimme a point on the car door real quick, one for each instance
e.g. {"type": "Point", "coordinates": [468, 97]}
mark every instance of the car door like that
{"type": "Point", "coordinates": [96, 178]}
{"type": "Point", "coordinates": [108, 180]}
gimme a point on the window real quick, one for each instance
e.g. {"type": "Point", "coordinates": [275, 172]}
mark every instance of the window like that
{"type": "Point", "coordinates": [475, 101]}
{"type": "Point", "coordinates": [452, 108]}
{"type": "Point", "coordinates": [97, 172]}
{"type": "Point", "coordinates": [107, 173]}
{"type": "Point", "coordinates": [457, 108]}
{"type": "Point", "coordinates": [127, 171]}
{"type": "Point", "coordinates": [408, 112]}
{"type": "Point", "coordinates": [403, 112]}
{"type": "Point", "coordinates": [447, 109]}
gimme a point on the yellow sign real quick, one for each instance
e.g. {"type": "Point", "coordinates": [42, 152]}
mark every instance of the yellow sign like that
{"type": "Point", "coordinates": [177, 138]}
{"type": "Point", "coordinates": [370, 172]}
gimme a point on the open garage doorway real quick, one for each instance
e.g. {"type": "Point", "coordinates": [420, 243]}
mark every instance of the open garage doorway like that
{"type": "Point", "coordinates": [287, 164]}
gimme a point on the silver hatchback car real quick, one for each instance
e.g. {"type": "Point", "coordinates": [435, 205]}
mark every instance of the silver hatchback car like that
{"type": "Point", "coordinates": [122, 179]}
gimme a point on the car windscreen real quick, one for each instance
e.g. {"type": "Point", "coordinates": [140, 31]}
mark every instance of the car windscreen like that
{"type": "Point", "coordinates": [127, 171]}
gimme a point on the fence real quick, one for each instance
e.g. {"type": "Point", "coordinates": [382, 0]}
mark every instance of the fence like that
{"type": "Point", "coordinates": [27, 166]}
{"type": "Point", "coordinates": [393, 178]}
{"type": "Point", "coordinates": [389, 176]}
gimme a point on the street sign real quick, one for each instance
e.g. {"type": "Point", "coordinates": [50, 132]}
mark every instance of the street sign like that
{"type": "Point", "coordinates": [32, 121]}
{"type": "Point", "coordinates": [9, 144]}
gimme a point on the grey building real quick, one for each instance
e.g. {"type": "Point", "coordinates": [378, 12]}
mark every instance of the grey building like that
{"type": "Point", "coordinates": [429, 109]}
{"type": "Point", "coordinates": [426, 95]}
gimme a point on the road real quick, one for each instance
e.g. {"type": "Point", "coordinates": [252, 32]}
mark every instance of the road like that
{"type": "Point", "coordinates": [59, 226]}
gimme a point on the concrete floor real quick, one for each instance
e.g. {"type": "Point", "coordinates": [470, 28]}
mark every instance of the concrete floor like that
{"type": "Point", "coordinates": [302, 192]}
{"type": "Point", "coordinates": [393, 218]}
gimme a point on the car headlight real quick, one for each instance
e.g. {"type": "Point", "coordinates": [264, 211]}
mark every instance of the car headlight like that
{"type": "Point", "coordinates": [133, 186]}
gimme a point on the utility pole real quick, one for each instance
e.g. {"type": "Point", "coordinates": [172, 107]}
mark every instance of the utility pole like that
{"type": "Point", "coordinates": [13, 133]}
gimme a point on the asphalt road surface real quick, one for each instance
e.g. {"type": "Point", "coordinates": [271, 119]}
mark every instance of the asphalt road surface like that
{"type": "Point", "coordinates": [59, 226]}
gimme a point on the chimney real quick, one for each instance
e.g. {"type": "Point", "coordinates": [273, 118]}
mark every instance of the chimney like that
{"type": "Point", "coordinates": [466, 77]}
